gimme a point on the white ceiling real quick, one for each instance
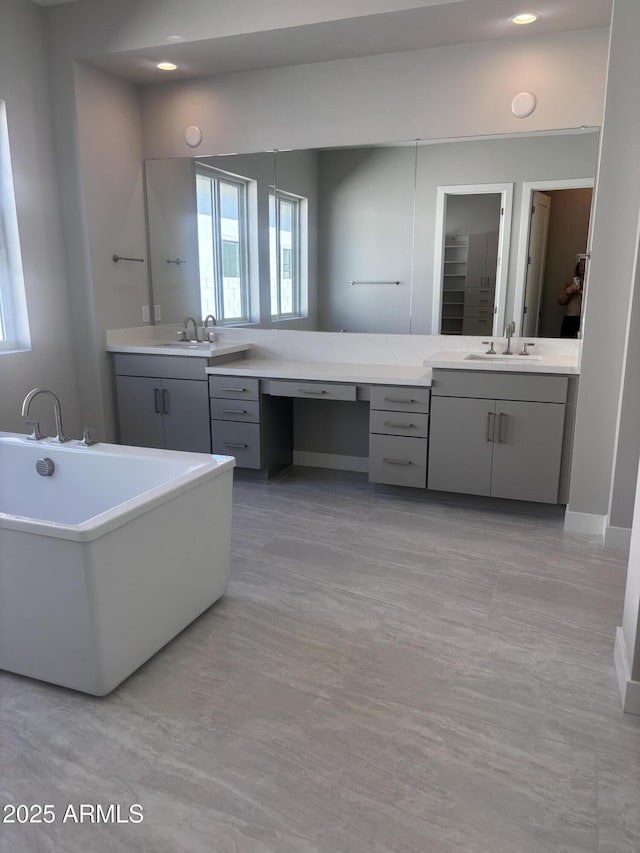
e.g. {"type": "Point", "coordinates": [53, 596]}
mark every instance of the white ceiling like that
{"type": "Point", "coordinates": [409, 29]}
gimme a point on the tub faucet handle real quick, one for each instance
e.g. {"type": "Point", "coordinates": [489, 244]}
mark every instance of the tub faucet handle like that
{"type": "Point", "coordinates": [87, 437]}
{"type": "Point", "coordinates": [36, 435]}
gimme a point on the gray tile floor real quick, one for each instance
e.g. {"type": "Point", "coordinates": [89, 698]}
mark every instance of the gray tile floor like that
{"type": "Point", "coordinates": [384, 674]}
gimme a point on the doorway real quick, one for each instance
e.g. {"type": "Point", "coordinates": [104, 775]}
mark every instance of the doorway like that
{"type": "Point", "coordinates": [472, 238]}
{"type": "Point", "coordinates": [554, 229]}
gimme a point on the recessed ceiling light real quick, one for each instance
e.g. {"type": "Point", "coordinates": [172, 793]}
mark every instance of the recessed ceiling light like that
{"type": "Point", "coordinates": [174, 38]}
{"type": "Point", "coordinates": [167, 66]}
{"type": "Point", "coordinates": [524, 18]}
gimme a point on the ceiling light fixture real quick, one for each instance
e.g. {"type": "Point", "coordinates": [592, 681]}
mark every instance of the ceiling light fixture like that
{"type": "Point", "coordinates": [174, 38]}
{"type": "Point", "coordinates": [167, 66]}
{"type": "Point", "coordinates": [524, 18]}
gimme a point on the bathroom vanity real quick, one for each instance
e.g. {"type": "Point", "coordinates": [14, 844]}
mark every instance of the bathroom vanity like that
{"type": "Point", "coordinates": [455, 423]}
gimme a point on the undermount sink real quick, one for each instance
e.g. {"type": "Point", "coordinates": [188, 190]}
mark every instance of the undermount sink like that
{"type": "Point", "coordinates": [498, 358]}
{"type": "Point", "coordinates": [186, 344]}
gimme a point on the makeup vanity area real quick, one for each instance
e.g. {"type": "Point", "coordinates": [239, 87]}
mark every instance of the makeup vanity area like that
{"type": "Point", "coordinates": [441, 422]}
{"type": "Point", "coordinates": [367, 367]}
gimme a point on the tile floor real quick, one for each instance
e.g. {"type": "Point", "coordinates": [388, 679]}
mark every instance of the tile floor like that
{"type": "Point", "coordinates": [384, 674]}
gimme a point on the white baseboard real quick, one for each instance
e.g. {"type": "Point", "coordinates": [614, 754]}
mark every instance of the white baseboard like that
{"type": "Point", "coordinates": [331, 460]}
{"type": "Point", "coordinates": [617, 537]}
{"type": "Point", "coordinates": [585, 522]}
{"type": "Point", "coordinates": [629, 690]}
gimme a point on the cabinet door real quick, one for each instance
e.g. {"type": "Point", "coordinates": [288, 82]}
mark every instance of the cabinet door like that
{"type": "Point", "coordinates": [527, 451]}
{"type": "Point", "coordinates": [185, 404]}
{"type": "Point", "coordinates": [461, 445]}
{"type": "Point", "coordinates": [492, 258]}
{"type": "Point", "coordinates": [477, 261]}
{"type": "Point", "coordinates": [140, 411]}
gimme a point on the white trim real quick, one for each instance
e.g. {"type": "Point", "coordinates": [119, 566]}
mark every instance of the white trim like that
{"type": "Point", "coordinates": [629, 689]}
{"type": "Point", "coordinates": [528, 189]}
{"type": "Point", "coordinates": [333, 461]}
{"type": "Point", "coordinates": [504, 241]}
{"type": "Point", "coordinates": [617, 537]}
{"type": "Point", "coordinates": [585, 522]}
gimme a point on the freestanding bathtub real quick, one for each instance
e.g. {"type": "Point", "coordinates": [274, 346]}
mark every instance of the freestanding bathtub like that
{"type": "Point", "coordinates": [106, 560]}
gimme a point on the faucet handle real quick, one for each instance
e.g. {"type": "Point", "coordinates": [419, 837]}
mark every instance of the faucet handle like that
{"type": "Point", "coordinates": [182, 336]}
{"type": "Point", "coordinates": [36, 435]}
{"type": "Point", "coordinates": [524, 350]}
{"type": "Point", "coordinates": [491, 350]}
{"type": "Point", "coordinates": [87, 437]}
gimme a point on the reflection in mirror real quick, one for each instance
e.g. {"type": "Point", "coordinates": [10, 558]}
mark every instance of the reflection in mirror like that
{"type": "Point", "coordinates": [556, 216]}
{"type": "Point", "coordinates": [336, 216]}
{"type": "Point", "coordinates": [473, 233]}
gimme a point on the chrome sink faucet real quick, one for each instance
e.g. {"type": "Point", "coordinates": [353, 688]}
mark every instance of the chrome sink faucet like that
{"type": "Point", "coordinates": [509, 332]}
{"type": "Point", "coordinates": [209, 332]}
{"type": "Point", "coordinates": [37, 435]}
{"type": "Point", "coordinates": [185, 326]}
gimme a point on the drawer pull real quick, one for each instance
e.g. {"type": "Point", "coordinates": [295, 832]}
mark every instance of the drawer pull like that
{"type": "Point", "coordinates": [398, 461]}
{"type": "Point", "coordinates": [396, 400]}
{"type": "Point", "coordinates": [235, 390]}
{"type": "Point", "coordinates": [311, 391]}
{"type": "Point", "coordinates": [399, 426]}
{"type": "Point", "coordinates": [491, 420]}
{"type": "Point", "coordinates": [234, 412]}
{"type": "Point", "coordinates": [231, 444]}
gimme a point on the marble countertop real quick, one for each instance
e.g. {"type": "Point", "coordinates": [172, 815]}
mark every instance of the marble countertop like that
{"type": "Point", "coordinates": [551, 363]}
{"type": "Point", "coordinates": [203, 350]}
{"type": "Point", "coordinates": [326, 371]}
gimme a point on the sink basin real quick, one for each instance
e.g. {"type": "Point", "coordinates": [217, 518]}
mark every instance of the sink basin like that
{"type": "Point", "coordinates": [497, 358]}
{"type": "Point", "coordinates": [185, 344]}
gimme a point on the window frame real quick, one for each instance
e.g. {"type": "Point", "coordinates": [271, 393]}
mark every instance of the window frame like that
{"type": "Point", "coordinates": [14, 326]}
{"type": "Point", "coordinates": [216, 177]}
{"type": "Point", "coordinates": [278, 196]}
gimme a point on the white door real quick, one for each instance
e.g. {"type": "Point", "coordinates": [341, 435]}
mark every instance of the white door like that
{"type": "Point", "coordinates": [538, 229]}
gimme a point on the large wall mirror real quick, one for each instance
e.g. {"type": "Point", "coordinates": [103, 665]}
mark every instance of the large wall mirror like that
{"type": "Point", "coordinates": [454, 237]}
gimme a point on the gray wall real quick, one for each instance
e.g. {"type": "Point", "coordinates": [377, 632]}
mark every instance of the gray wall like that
{"type": "Point", "coordinates": [607, 367]}
{"type": "Point", "coordinates": [441, 93]}
{"type": "Point", "coordinates": [567, 237]}
{"type": "Point", "coordinates": [50, 361]}
{"type": "Point", "coordinates": [366, 229]}
{"type": "Point", "coordinates": [472, 214]}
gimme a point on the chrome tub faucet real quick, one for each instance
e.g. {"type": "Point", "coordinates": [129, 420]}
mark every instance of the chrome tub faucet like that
{"type": "Point", "coordinates": [36, 435]}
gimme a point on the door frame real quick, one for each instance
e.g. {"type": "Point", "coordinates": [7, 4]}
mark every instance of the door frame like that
{"type": "Point", "coordinates": [504, 239]}
{"type": "Point", "coordinates": [528, 188]}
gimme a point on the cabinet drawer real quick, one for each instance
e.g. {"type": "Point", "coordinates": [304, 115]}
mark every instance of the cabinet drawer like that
{"type": "Point", "coordinates": [479, 296]}
{"type": "Point", "coordinates": [235, 410]}
{"type": "Point", "coordinates": [398, 461]}
{"type": "Point", "coordinates": [399, 423]}
{"type": "Point", "coordinates": [166, 366]}
{"type": "Point", "coordinates": [234, 387]}
{"type": "Point", "coordinates": [239, 440]}
{"type": "Point", "coordinates": [389, 398]}
{"type": "Point", "coordinates": [477, 325]}
{"type": "Point", "coordinates": [500, 386]}
{"type": "Point", "coordinates": [477, 312]}
{"type": "Point", "coordinates": [312, 390]}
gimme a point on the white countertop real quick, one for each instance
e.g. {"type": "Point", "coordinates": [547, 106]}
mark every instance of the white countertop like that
{"type": "Point", "coordinates": [164, 348]}
{"type": "Point", "coordinates": [551, 363]}
{"type": "Point", "coordinates": [325, 371]}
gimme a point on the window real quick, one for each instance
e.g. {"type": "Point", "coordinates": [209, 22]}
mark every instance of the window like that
{"type": "Point", "coordinates": [285, 216]}
{"type": "Point", "coordinates": [222, 246]}
{"type": "Point", "coordinates": [14, 330]}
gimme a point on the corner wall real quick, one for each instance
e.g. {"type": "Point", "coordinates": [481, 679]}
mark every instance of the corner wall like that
{"type": "Point", "coordinates": [50, 361]}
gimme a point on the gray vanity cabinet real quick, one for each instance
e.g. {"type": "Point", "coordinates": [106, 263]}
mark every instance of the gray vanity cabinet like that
{"type": "Point", "coordinates": [484, 444]}
{"type": "Point", "coordinates": [159, 410]}
{"type": "Point", "coordinates": [398, 436]}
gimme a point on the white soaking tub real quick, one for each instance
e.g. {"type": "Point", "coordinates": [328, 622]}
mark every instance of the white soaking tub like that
{"type": "Point", "coordinates": [107, 559]}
